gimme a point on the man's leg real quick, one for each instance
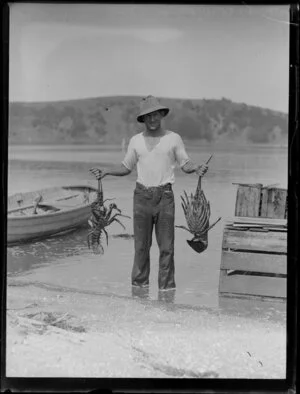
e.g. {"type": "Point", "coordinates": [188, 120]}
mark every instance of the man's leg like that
{"type": "Point", "coordinates": [164, 229]}
{"type": "Point", "coordinates": [143, 228]}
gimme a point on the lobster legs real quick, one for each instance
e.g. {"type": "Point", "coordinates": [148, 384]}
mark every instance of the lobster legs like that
{"type": "Point", "coordinates": [101, 217]}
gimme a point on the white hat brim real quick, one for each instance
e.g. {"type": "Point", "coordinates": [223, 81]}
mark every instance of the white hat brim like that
{"type": "Point", "coordinates": [140, 117]}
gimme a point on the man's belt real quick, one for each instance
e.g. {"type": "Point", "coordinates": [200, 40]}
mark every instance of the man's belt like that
{"type": "Point", "coordinates": [167, 186]}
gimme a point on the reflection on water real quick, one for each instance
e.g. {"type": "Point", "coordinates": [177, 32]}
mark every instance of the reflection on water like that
{"type": "Point", "coordinates": [27, 256]}
{"type": "Point", "coordinates": [167, 296]}
{"type": "Point", "coordinates": [140, 292]}
{"type": "Point", "coordinates": [143, 293]}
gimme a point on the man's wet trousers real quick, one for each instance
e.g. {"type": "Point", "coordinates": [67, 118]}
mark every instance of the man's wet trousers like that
{"type": "Point", "coordinates": [153, 207]}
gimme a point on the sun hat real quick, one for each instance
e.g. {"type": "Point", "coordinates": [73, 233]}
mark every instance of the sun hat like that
{"type": "Point", "coordinates": [148, 105]}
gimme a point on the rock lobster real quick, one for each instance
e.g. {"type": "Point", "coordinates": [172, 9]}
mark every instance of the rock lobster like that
{"type": "Point", "coordinates": [100, 218]}
{"type": "Point", "coordinates": [196, 210]}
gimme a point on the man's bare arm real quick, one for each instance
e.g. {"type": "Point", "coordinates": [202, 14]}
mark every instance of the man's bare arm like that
{"type": "Point", "coordinates": [190, 167]}
{"type": "Point", "coordinates": [119, 170]}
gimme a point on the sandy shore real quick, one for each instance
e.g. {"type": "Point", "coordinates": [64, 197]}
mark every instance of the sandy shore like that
{"type": "Point", "coordinates": [53, 333]}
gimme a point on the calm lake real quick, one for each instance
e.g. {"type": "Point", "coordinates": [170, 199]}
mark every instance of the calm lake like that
{"type": "Point", "coordinates": [66, 260]}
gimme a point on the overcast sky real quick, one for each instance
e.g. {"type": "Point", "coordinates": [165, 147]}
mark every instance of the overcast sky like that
{"type": "Point", "coordinates": [60, 52]}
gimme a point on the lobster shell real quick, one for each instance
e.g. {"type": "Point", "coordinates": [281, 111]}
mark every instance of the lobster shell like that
{"type": "Point", "coordinates": [196, 210]}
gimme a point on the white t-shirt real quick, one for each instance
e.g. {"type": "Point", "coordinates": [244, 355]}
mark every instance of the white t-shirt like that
{"type": "Point", "coordinates": [155, 157]}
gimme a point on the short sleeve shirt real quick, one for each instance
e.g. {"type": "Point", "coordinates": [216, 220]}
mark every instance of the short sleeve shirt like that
{"type": "Point", "coordinates": [155, 165]}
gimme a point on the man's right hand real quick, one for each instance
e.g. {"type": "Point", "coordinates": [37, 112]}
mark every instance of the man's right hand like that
{"type": "Point", "coordinates": [98, 174]}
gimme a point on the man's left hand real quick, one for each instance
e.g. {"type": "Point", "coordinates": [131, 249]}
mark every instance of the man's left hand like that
{"type": "Point", "coordinates": [202, 169]}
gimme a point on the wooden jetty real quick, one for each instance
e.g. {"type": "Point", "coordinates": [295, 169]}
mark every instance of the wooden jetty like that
{"type": "Point", "coordinates": [254, 248]}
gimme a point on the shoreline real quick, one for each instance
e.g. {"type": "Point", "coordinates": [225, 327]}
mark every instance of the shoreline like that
{"type": "Point", "coordinates": [70, 334]}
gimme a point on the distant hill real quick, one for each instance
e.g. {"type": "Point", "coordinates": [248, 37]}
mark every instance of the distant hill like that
{"type": "Point", "coordinates": [110, 120]}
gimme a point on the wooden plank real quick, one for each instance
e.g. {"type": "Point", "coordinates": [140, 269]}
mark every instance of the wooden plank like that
{"type": "Point", "coordinates": [264, 203]}
{"type": "Point", "coordinates": [227, 298]}
{"type": "Point", "coordinates": [273, 242]}
{"type": "Point", "coordinates": [278, 206]}
{"type": "Point", "coordinates": [247, 184]}
{"type": "Point", "coordinates": [248, 225]}
{"type": "Point", "coordinates": [256, 221]}
{"type": "Point", "coordinates": [271, 186]}
{"type": "Point", "coordinates": [261, 229]}
{"type": "Point", "coordinates": [276, 228]}
{"type": "Point", "coordinates": [273, 203]}
{"type": "Point", "coordinates": [239, 228]}
{"type": "Point", "coordinates": [286, 208]}
{"type": "Point", "coordinates": [253, 285]}
{"type": "Point", "coordinates": [248, 200]}
{"type": "Point", "coordinates": [254, 262]}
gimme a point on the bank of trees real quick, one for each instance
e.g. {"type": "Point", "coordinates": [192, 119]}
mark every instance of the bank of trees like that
{"type": "Point", "coordinates": [115, 118]}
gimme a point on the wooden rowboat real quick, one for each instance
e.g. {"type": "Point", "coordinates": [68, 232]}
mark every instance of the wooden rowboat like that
{"type": "Point", "coordinates": [46, 212]}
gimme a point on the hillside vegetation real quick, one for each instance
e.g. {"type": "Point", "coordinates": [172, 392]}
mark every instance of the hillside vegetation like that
{"type": "Point", "coordinates": [109, 120]}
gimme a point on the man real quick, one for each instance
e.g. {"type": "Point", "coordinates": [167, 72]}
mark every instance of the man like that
{"type": "Point", "coordinates": [155, 152]}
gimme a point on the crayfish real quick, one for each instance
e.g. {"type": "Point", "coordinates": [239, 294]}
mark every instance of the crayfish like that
{"type": "Point", "coordinates": [100, 218]}
{"type": "Point", "coordinates": [196, 210]}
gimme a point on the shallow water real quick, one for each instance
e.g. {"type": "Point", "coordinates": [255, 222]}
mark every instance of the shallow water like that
{"type": "Point", "coordinates": [66, 261]}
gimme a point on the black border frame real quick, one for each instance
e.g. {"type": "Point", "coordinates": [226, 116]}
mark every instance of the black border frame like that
{"type": "Point", "coordinates": [287, 385]}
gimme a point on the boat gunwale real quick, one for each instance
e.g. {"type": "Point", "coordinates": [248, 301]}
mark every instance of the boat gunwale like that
{"type": "Point", "coordinates": [56, 213]}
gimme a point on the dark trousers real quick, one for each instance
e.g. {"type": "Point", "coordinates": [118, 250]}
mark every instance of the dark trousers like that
{"type": "Point", "coordinates": [153, 207]}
